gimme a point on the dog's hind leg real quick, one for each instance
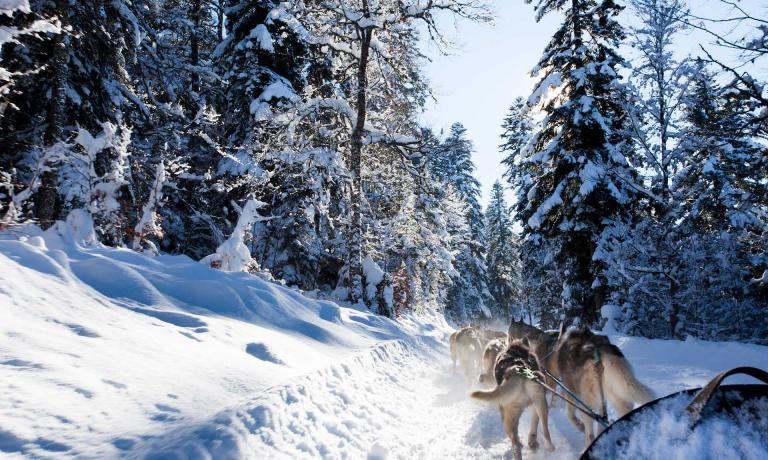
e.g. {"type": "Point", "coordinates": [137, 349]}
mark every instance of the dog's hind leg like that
{"type": "Point", "coordinates": [588, 433]}
{"type": "Point", "coordinates": [553, 400]}
{"type": "Point", "coordinates": [511, 416]}
{"type": "Point", "coordinates": [533, 442]}
{"type": "Point", "coordinates": [592, 398]}
{"type": "Point", "coordinates": [454, 351]}
{"type": "Point", "coordinates": [622, 406]}
{"type": "Point", "coordinates": [541, 412]}
{"type": "Point", "coordinates": [570, 411]}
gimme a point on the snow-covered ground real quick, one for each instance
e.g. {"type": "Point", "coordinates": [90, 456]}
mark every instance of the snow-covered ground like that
{"type": "Point", "coordinates": [109, 353]}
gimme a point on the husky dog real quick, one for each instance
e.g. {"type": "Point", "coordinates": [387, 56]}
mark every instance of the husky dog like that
{"type": "Point", "coordinates": [454, 350]}
{"type": "Point", "coordinates": [514, 392]}
{"type": "Point", "coordinates": [542, 343]}
{"type": "Point", "coordinates": [466, 348]}
{"type": "Point", "coordinates": [488, 335]}
{"type": "Point", "coordinates": [596, 371]}
{"type": "Point", "coordinates": [452, 343]}
{"type": "Point", "coordinates": [492, 350]}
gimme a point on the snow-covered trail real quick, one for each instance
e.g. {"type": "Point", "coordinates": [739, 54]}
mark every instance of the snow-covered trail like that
{"type": "Point", "coordinates": [400, 402]}
{"type": "Point", "coordinates": [393, 402]}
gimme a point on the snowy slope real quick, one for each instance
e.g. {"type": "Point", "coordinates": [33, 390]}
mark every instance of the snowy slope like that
{"type": "Point", "coordinates": [101, 349]}
{"type": "Point", "coordinates": [107, 353]}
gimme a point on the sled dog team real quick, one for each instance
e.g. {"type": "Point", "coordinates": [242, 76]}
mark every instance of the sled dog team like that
{"type": "Point", "coordinates": [587, 364]}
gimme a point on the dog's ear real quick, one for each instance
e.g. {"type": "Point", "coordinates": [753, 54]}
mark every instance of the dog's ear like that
{"type": "Point", "coordinates": [525, 342]}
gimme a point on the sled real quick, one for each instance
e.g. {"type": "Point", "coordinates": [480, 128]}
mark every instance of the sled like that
{"type": "Point", "coordinates": [692, 419]}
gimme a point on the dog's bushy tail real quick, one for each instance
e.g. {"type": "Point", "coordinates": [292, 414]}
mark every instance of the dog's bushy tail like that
{"type": "Point", "coordinates": [499, 395]}
{"type": "Point", "coordinates": [618, 376]}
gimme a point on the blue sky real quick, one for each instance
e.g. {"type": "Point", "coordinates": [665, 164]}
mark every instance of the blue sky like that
{"type": "Point", "coordinates": [491, 64]}
{"type": "Point", "coordinates": [479, 80]}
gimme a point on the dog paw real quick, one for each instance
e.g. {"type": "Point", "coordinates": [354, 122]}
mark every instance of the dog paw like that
{"type": "Point", "coordinates": [550, 448]}
{"type": "Point", "coordinates": [533, 443]}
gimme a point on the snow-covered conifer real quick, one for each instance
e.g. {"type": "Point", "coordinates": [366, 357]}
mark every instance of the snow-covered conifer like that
{"type": "Point", "coordinates": [575, 175]}
{"type": "Point", "coordinates": [504, 269]}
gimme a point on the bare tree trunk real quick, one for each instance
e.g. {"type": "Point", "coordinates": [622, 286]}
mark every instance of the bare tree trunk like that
{"type": "Point", "coordinates": [220, 16]}
{"type": "Point", "coordinates": [356, 228]}
{"type": "Point", "coordinates": [577, 33]}
{"type": "Point", "coordinates": [663, 138]}
{"type": "Point", "coordinates": [194, 57]}
{"type": "Point", "coordinates": [674, 314]}
{"type": "Point", "coordinates": [46, 201]}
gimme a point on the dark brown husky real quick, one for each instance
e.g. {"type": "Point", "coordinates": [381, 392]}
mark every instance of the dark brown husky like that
{"type": "Point", "coordinates": [596, 371]}
{"type": "Point", "coordinates": [514, 392]}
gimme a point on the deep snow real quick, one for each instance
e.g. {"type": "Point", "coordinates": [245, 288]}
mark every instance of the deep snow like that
{"type": "Point", "coordinates": [742, 435]}
{"type": "Point", "coordinates": [110, 353]}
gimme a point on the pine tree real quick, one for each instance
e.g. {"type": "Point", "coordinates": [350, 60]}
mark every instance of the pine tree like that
{"type": "Point", "coordinates": [721, 183]}
{"type": "Point", "coordinates": [19, 21]}
{"type": "Point", "coordinates": [644, 268]}
{"type": "Point", "coordinates": [518, 127]}
{"type": "Point", "coordinates": [279, 153]}
{"type": "Point", "coordinates": [419, 235]}
{"type": "Point", "coordinates": [260, 61]}
{"type": "Point", "coordinates": [181, 129]}
{"type": "Point", "coordinates": [575, 175]}
{"type": "Point", "coordinates": [300, 242]}
{"type": "Point", "coordinates": [724, 201]}
{"type": "Point", "coordinates": [452, 164]}
{"type": "Point", "coordinates": [504, 271]}
{"type": "Point", "coordinates": [83, 84]}
{"type": "Point", "coordinates": [692, 272]}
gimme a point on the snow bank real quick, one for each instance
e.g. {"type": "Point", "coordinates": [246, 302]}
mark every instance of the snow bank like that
{"type": "Point", "coordinates": [335, 410]}
{"type": "Point", "coordinates": [104, 350]}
